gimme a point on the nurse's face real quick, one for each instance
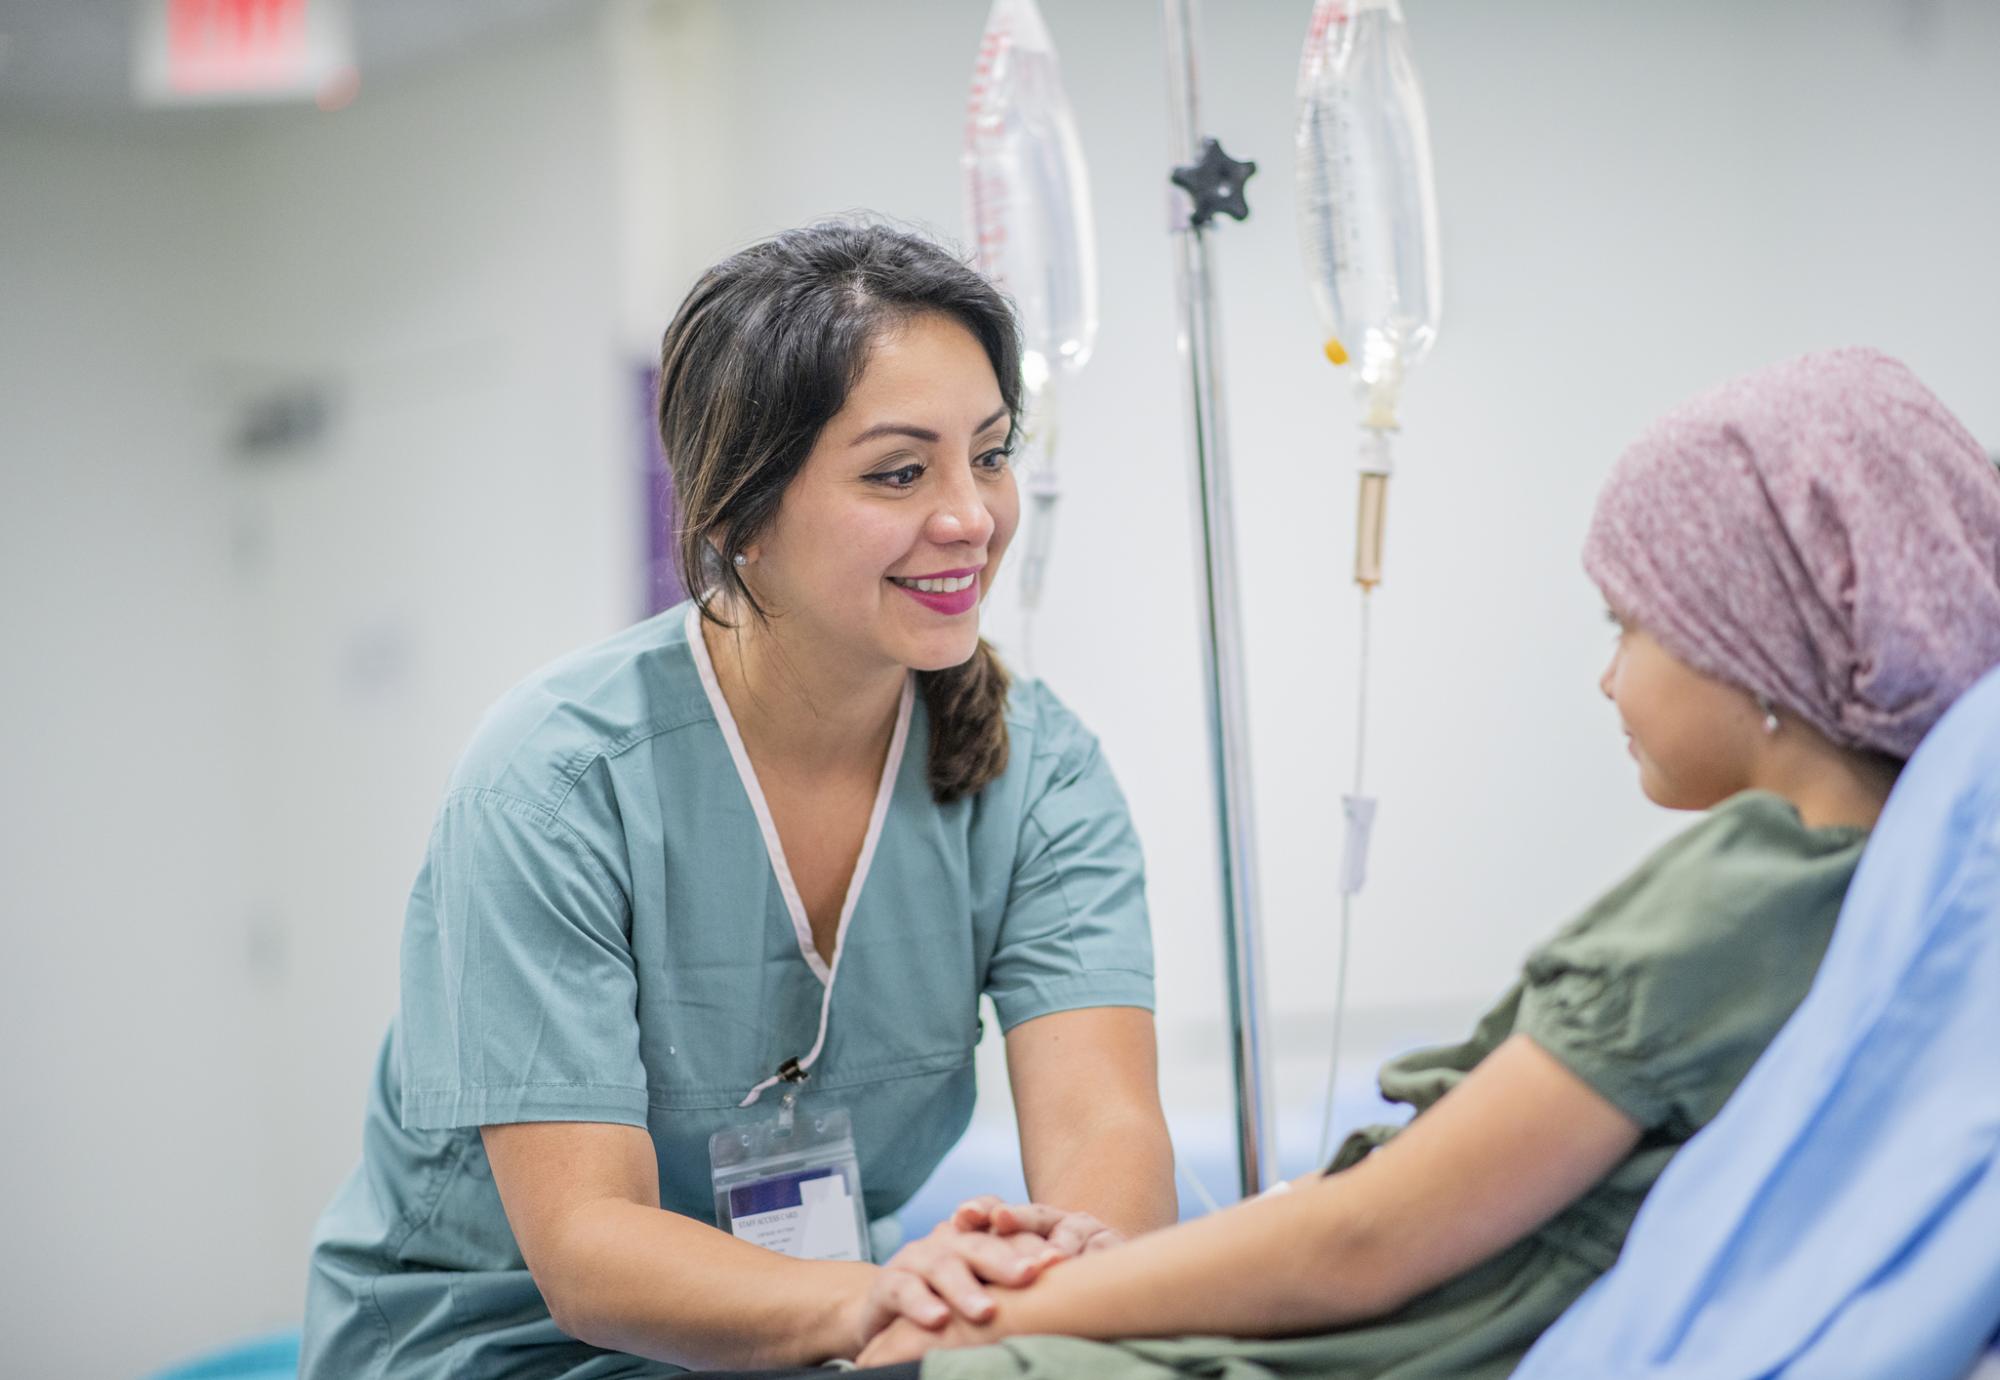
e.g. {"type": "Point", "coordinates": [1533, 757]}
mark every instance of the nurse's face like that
{"type": "Point", "coordinates": [1695, 738]}
{"type": "Point", "coordinates": [890, 536]}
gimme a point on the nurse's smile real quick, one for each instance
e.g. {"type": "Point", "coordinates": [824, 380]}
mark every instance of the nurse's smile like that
{"type": "Point", "coordinates": [949, 592]}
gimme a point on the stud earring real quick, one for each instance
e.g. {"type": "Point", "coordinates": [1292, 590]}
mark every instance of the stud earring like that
{"type": "Point", "coordinates": [740, 559]}
{"type": "Point", "coordinates": [1770, 715]}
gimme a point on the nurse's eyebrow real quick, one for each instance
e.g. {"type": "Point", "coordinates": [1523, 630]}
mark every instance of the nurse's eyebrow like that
{"type": "Point", "coordinates": [919, 433]}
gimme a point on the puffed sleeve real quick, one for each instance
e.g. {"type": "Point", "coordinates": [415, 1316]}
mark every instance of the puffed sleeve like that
{"type": "Point", "coordinates": [1665, 992]}
{"type": "Point", "coordinates": [519, 993]}
{"type": "Point", "coordinates": [1075, 932]}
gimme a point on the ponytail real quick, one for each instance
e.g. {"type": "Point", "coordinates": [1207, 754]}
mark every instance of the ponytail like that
{"type": "Point", "coordinates": [968, 709]}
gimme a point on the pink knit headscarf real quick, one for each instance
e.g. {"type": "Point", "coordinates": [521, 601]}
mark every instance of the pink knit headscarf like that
{"type": "Point", "coordinates": [1822, 533]}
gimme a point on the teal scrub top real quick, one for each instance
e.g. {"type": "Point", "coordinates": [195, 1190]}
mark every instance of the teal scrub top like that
{"type": "Point", "coordinates": [601, 931]}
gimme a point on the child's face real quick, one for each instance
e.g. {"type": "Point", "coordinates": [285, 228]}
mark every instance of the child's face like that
{"type": "Point", "coordinates": [1694, 737]}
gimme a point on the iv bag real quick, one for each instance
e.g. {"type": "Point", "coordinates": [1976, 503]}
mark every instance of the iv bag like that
{"type": "Point", "coordinates": [1367, 207]}
{"type": "Point", "coordinates": [1028, 196]}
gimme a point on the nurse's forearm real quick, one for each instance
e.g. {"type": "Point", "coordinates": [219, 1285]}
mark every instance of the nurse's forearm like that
{"type": "Point", "coordinates": [654, 1283]}
{"type": "Point", "coordinates": [1086, 1094]}
{"type": "Point", "coordinates": [1120, 1169]}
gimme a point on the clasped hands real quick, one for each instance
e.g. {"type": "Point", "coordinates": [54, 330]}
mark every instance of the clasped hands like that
{"type": "Point", "coordinates": [934, 1291]}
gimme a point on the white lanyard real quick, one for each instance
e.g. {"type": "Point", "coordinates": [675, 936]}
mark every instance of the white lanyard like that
{"type": "Point", "coordinates": [795, 1070]}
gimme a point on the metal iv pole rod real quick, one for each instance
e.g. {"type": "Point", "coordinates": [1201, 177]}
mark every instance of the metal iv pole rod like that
{"type": "Point", "coordinates": [1214, 182]}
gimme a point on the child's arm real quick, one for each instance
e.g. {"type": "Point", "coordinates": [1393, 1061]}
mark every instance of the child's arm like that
{"type": "Point", "coordinates": [1516, 1142]}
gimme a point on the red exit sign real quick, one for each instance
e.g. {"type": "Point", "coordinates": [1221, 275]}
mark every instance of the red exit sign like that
{"type": "Point", "coordinates": [194, 51]}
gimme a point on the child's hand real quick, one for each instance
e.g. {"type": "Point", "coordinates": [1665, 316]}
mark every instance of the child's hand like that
{"type": "Point", "coordinates": [904, 1340]}
{"type": "Point", "coordinates": [1067, 1233]}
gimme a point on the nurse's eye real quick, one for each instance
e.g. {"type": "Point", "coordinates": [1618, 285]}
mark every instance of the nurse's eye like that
{"type": "Point", "coordinates": [995, 460]}
{"type": "Point", "coordinates": [900, 478]}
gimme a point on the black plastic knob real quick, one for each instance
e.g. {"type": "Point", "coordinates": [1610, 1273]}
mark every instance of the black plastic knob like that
{"type": "Point", "coordinates": [1215, 183]}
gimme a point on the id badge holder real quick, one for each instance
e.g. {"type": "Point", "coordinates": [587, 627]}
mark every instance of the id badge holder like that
{"type": "Point", "coordinates": [792, 1183]}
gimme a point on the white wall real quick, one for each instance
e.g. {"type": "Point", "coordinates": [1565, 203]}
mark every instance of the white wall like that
{"type": "Point", "coordinates": [135, 1157]}
{"type": "Point", "coordinates": [234, 690]}
{"type": "Point", "coordinates": [232, 693]}
{"type": "Point", "coordinates": [443, 260]}
{"type": "Point", "coordinates": [1637, 201]}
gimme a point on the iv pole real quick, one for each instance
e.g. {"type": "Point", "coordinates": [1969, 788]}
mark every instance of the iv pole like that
{"type": "Point", "coordinates": [1214, 183]}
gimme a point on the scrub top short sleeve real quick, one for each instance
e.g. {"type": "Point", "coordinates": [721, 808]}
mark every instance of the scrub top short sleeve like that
{"type": "Point", "coordinates": [518, 981]}
{"type": "Point", "coordinates": [1074, 932]}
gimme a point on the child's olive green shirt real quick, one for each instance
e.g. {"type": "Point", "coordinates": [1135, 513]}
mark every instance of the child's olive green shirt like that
{"type": "Point", "coordinates": [1660, 997]}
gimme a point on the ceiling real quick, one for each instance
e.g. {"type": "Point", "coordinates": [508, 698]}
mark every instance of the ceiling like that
{"type": "Point", "coordinates": [74, 57]}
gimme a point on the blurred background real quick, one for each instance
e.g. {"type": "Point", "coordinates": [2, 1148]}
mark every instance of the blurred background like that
{"type": "Point", "coordinates": [321, 424]}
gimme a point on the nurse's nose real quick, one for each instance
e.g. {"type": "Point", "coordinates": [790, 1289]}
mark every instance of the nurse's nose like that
{"type": "Point", "coordinates": [961, 516]}
{"type": "Point", "coordinates": [1609, 679]}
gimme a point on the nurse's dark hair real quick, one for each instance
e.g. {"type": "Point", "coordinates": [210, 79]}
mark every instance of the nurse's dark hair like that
{"type": "Point", "coordinates": [757, 361]}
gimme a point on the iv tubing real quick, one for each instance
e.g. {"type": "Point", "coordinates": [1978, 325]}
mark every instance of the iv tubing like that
{"type": "Point", "coordinates": [1044, 489]}
{"type": "Point", "coordinates": [1370, 516]}
{"type": "Point", "coordinates": [1347, 897]}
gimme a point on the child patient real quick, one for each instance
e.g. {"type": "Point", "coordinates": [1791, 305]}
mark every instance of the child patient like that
{"type": "Point", "coordinates": [1804, 570]}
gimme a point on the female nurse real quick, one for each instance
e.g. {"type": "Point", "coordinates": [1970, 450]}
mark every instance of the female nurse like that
{"type": "Point", "coordinates": [752, 864]}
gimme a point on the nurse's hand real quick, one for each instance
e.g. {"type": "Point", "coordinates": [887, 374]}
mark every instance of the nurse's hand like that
{"type": "Point", "coordinates": [1067, 1233]}
{"type": "Point", "coordinates": [940, 1277]}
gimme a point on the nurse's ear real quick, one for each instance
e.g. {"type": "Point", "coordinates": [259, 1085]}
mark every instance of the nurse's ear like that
{"type": "Point", "coordinates": [742, 558]}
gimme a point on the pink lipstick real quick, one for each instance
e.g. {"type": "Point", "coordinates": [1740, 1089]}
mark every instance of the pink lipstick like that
{"type": "Point", "coordinates": [949, 592]}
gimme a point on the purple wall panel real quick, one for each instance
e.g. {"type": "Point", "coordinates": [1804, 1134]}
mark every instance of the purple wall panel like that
{"type": "Point", "coordinates": [663, 581]}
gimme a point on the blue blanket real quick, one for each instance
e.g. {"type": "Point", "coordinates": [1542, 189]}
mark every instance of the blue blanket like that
{"type": "Point", "coordinates": [1841, 1217]}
